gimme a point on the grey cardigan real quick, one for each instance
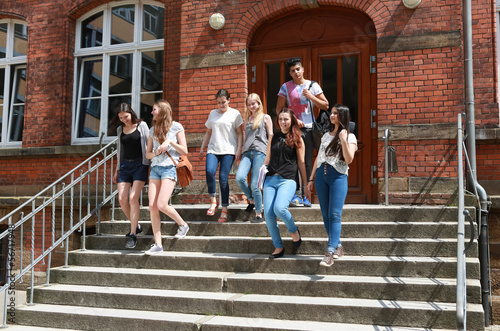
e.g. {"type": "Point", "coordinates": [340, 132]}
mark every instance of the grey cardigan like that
{"type": "Point", "coordinates": [144, 131]}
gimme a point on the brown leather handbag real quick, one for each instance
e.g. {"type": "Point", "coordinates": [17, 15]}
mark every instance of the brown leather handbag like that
{"type": "Point", "coordinates": [184, 170]}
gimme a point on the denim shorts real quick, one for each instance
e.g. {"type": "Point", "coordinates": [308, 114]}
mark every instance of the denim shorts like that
{"type": "Point", "coordinates": [161, 172]}
{"type": "Point", "coordinates": [130, 171]}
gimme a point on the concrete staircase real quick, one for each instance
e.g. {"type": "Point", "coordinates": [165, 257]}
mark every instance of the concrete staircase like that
{"type": "Point", "coordinates": [398, 274]}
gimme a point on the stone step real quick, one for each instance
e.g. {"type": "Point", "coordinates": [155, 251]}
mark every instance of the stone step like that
{"type": "Point", "coordinates": [354, 213]}
{"type": "Point", "coordinates": [319, 309]}
{"type": "Point", "coordinates": [307, 229]}
{"type": "Point", "coordinates": [383, 266]}
{"type": "Point", "coordinates": [262, 245]}
{"type": "Point", "coordinates": [385, 288]}
{"type": "Point", "coordinates": [119, 319]}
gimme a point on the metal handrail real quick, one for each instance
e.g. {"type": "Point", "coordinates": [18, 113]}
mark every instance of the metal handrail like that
{"type": "Point", "coordinates": [461, 265]}
{"type": "Point", "coordinates": [88, 174]}
{"type": "Point", "coordinates": [386, 136]}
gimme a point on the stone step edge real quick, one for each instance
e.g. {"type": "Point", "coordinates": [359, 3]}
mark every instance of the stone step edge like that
{"type": "Point", "coordinates": [199, 320]}
{"type": "Point", "coordinates": [224, 276]}
{"type": "Point", "coordinates": [249, 256]}
{"type": "Point", "coordinates": [297, 301]}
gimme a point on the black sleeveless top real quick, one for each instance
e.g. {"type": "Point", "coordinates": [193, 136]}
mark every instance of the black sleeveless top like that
{"type": "Point", "coordinates": [283, 158]}
{"type": "Point", "coordinates": [131, 145]}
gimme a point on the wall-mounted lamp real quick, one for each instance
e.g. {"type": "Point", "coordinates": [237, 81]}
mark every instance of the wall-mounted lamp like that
{"type": "Point", "coordinates": [411, 4]}
{"type": "Point", "coordinates": [217, 21]}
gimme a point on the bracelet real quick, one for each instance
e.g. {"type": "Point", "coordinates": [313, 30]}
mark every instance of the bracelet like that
{"type": "Point", "coordinates": [310, 180]}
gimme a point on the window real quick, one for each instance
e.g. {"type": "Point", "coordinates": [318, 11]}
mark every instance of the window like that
{"type": "Point", "coordinates": [13, 50]}
{"type": "Point", "coordinates": [118, 58]}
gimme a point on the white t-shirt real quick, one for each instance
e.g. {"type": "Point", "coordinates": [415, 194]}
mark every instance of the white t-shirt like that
{"type": "Point", "coordinates": [224, 139]}
{"type": "Point", "coordinates": [333, 160]}
{"type": "Point", "coordinates": [163, 159]}
{"type": "Point", "coordinates": [300, 105]}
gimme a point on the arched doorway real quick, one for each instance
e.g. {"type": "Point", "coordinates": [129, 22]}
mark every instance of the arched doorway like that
{"type": "Point", "coordinates": [337, 47]}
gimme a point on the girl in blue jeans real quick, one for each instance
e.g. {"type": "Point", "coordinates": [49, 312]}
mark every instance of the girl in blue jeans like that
{"type": "Point", "coordinates": [285, 154]}
{"type": "Point", "coordinates": [258, 129]}
{"type": "Point", "coordinates": [330, 170]}
{"type": "Point", "coordinates": [224, 143]}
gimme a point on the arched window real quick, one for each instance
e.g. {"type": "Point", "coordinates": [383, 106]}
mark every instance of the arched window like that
{"type": "Point", "coordinates": [13, 50]}
{"type": "Point", "coordinates": [118, 58]}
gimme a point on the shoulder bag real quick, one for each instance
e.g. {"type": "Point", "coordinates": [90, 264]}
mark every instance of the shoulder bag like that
{"type": "Point", "coordinates": [184, 170]}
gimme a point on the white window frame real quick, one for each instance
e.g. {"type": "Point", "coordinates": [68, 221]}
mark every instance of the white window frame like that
{"type": "Point", "coordinates": [9, 63]}
{"type": "Point", "coordinates": [105, 52]}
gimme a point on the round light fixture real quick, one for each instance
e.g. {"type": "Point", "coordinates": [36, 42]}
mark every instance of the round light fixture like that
{"type": "Point", "coordinates": [217, 21]}
{"type": "Point", "coordinates": [411, 4]}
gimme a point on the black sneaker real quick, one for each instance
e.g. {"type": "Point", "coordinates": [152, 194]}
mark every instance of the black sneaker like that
{"type": "Point", "coordinates": [257, 219]}
{"type": "Point", "coordinates": [137, 231]}
{"type": "Point", "coordinates": [132, 241]}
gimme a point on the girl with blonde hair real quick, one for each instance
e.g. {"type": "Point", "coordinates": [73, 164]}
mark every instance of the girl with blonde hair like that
{"type": "Point", "coordinates": [258, 130]}
{"type": "Point", "coordinates": [166, 136]}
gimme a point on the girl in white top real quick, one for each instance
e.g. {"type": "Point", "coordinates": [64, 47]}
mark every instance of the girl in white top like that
{"type": "Point", "coordinates": [224, 138]}
{"type": "Point", "coordinates": [165, 135]}
{"type": "Point", "coordinates": [330, 170]}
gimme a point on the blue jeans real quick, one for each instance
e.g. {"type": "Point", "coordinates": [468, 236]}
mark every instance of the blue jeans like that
{"type": "Point", "coordinates": [331, 188]}
{"type": "Point", "coordinates": [226, 161]}
{"type": "Point", "coordinates": [254, 160]}
{"type": "Point", "coordinates": [278, 192]}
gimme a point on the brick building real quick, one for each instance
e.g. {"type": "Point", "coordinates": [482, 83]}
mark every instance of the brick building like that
{"type": "Point", "coordinates": [65, 64]}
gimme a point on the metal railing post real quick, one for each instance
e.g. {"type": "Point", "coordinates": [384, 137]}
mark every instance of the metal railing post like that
{"type": "Point", "coordinates": [387, 134]}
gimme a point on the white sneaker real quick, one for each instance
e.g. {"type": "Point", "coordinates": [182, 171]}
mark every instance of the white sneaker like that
{"type": "Point", "coordinates": [182, 231]}
{"type": "Point", "coordinates": [154, 250]}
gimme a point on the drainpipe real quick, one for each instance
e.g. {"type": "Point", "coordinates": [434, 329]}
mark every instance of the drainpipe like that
{"type": "Point", "coordinates": [484, 253]}
{"type": "Point", "coordinates": [469, 91]}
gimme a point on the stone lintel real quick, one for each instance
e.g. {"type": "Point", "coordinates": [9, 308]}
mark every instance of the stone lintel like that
{"type": "Point", "coordinates": [419, 131]}
{"type": "Point", "coordinates": [214, 60]}
{"type": "Point", "coordinates": [423, 41]}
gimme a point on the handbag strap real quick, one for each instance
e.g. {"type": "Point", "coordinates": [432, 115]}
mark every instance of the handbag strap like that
{"type": "Point", "coordinates": [311, 104]}
{"type": "Point", "coordinates": [171, 158]}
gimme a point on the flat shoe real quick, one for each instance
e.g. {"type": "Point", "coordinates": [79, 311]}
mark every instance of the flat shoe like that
{"type": "Point", "coordinates": [275, 256]}
{"type": "Point", "coordinates": [296, 244]}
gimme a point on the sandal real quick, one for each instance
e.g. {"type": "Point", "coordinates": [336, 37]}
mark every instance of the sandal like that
{"type": "Point", "coordinates": [211, 210]}
{"type": "Point", "coordinates": [223, 216]}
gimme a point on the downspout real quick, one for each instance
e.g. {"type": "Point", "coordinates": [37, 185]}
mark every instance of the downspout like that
{"type": "Point", "coordinates": [472, 183]}
{"type": "Point", "coordinates": [469, 92]}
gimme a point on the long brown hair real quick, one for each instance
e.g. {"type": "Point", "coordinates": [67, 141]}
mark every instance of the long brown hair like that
{"type": "Point", "coordinates": [335, 147]}
{"type": "Point", "coordinates": [293, 136]}
{"type": "Point", "coordinates": [164, 120]}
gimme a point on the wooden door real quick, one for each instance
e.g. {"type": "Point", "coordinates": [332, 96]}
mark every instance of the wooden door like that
{"type": "Point", "coordinates": [343, 71]}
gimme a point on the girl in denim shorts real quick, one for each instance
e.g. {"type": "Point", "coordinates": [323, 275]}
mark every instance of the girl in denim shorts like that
{"type": "Point", "coordinates": [165, 135]}
{"type": "Point", "coordinates": [132, 166]}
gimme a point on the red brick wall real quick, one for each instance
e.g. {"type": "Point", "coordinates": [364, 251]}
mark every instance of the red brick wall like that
{"type": "Point", "coordinates": [414, 87]}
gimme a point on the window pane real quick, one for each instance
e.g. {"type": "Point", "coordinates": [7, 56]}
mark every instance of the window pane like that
{"type": "Point", "coordinates": [273, 85]}
{"type": "Point", "coordinates": [329, 79]}
{"type": "Point", "coordinates": [3, 40]}
{"type": "Point", "coordinates": [153, 22]}
{"type": "Point", "coordinates": [120, 74]}
{"type": "Point", "coordinates": [92, 79]}
{"type": "Point", "coordinates": [122, 24]}
{"type": "Point", "coordinates": [90, 118]}
{"type": "Point", "coordinates": [113, 121]}
{"type": "Point", "coordinates": [20, 39]}
{"type": "Point", "coordinates": [350, 85]}
{"type": "Point", "coordinates": [147, 102]}
{"type": "Point", "coordinates": [20, 86]}
{"type": "Point", "coordinates": [17, 123]}
{"type": "Point", "coordinates": [152, 71]}
{"type": "Point", "coordinates": [92, 31]}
